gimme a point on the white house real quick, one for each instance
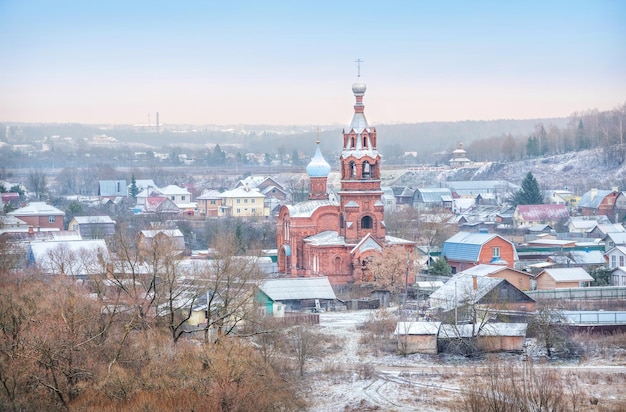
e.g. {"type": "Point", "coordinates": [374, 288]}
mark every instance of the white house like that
{"type": "Point", "coordinates": [616, 256]}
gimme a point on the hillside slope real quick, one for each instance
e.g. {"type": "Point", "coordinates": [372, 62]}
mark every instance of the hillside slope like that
{"type": "Point", "coordinates": [576, 171]}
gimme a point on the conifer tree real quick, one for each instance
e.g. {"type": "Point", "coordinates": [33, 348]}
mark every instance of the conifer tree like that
{"type": "Point", "coordinates": [529, 194]}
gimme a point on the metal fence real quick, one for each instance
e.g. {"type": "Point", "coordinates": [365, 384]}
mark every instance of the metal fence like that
{"type": "Point", "coordinates": [590, 293]}
{"type": "Point", "coordinates": [594, 317]}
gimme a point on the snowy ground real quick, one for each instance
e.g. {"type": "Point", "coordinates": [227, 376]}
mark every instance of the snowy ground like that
{"type": "Point", "coordinates": [352, 378]}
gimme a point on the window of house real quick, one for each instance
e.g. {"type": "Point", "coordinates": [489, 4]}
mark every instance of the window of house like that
{"type": "Point", "coordinates": [50, 219]}
{"type": "Point", "coordinates": [245, 200]}
{"type": "Point", "coordinates": [182, 198]}
{"type": "Point", "coordinates": [253, 210]}
{"type": "Point", "coordinates": [495, 252]}
{"type": "Point", "coordinates": [212, 202]}
{"type": "Point", "coordinates": [252, 200]}
{"type": "Point", "coordinates": [238, 200]}
{"type": "Point", "coordinates": [613, 261]}
{"type": "Point", "coordinates": [621, 260]}
{"type": "Point", "coordinates": [238, 211]}
{"type": "Point", "coordinates": [173, 198]}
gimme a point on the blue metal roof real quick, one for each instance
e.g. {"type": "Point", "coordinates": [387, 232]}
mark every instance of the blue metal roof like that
{"type": "Point", "coordinates": [465, 246]}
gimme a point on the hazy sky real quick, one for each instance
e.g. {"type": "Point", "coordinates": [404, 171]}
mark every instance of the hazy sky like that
{"type": "Point", "coordinates": [292, 62]}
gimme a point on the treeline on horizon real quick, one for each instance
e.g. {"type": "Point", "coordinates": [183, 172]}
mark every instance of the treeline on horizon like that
{"type": "Point", "coordinates": [431, 142]}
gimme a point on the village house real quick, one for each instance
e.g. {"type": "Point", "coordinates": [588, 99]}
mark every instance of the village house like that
{"type": "Point", "coordinates": [601, 230]}
{"type": "Point", "coordinates": [467, 249]}
{"type": "Point", "coordinates": [243, 202]}
{"type": "Point", "coordinates": [529, 215]}
{"type": "Point", "coordinates": [618, 276]}
{"type": "Point", "coordinates": [560, 278]}
{"type": "Point", "coordinates": [616, 256]}
{"type": "Point", "coordinates": [112, 188]}
{"type": "Point", "coordinates": [277, 296]}
{"type": "Point", "coordinates": [433, 198]}
{"type": "Point", "coordinates": [403, 194]}
{"type": "Point", "coordinates": [166, 240]}
{"type": "Point", "coordinates": [40, 215]}
{"type": "Point", "coordinates": [614, 239]}
{"type": "Point", "coordinates": [599, 202]}
{"type": "Point", "coordinates": [209, 203]}
{"type": "Point", "coordinates": [268, 186]}
{"type": "Point", "coordinates": [520, 279]}
{"type": "Point", "coordinates": [485, 192]}
{"type": "Point", "coordinates": [92, 227]}
{"type": "Point", "coordinates": [489, 295]}
{"type": "Point", "coordinates": [158, 205]}
{"type": "Point", "coordinates": [585, 224]}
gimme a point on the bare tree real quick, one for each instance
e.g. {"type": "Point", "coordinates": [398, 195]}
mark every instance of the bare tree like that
{"type": "Point", "coordinates": [389, 269]}
{"type": "Point", "coordinates": [38, 183]}
{"type": "Point", "coordinates": [304, 344]}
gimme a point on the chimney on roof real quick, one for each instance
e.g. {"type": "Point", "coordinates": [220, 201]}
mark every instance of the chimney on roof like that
{"type": "Point", "coordinates": [475, 282]}
{"type": "Point", "coordinates": [594, 192]}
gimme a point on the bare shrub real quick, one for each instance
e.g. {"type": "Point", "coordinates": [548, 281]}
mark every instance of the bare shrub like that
{"type": "Point", "coordinates": [377, 331]}
{"type": "Point", "coordinates": [504, 387]}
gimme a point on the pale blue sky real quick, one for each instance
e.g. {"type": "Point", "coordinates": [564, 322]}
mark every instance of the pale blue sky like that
{"type": "Point", "coordinates": [292, 62]}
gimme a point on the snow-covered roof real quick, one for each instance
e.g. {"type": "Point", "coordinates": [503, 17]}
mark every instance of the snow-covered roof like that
{"type": "Point", "coordinates": [489, 329]}
{"type": "Point", "coordinates": [297, 288]}
{"type": "Point", "coordinates": [93, 219]}
{"type": "Point", "coordinates": [167, 232]}
{"type": "Point", "coordinates": [580, 257]}
{"type": "Point", "coordinates": [417, 328]}
{"type": "Point", "coordinates": [547, 212]}
{"type": "Point", "coordinates": [574, 274]}
{"type": "Point", "coordinates": [243, 192]}
{"type": "Point", "coordinates": [79, 257]}
{"type": "Point", "coordinates": [173, 190]}
{"type": "Point", "coordinates": [460, 290]}
{"type": "Point", "coordinates": [306, 209]}
{"type": "Point", "coordinates": [326, 238]}
{"type": "Point", "coordinates": [37, 209]}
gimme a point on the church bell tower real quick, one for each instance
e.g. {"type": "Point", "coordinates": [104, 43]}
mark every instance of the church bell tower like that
{"type": "Point", "coordinates": [361, 210]}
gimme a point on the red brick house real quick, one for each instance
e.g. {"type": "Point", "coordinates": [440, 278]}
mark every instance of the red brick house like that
{"type": "Point", "coordinates": [467, 249]}
{"type": "Point", "coordinates": [599, 202]}
{"type": "Point", "coordinates": [40, 215]}
{"type": "Point", "coordinates": [336, 237]}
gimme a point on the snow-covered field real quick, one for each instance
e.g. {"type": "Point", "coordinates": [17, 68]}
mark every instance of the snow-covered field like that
{"type": "Point", "coordinates": [352, 377]}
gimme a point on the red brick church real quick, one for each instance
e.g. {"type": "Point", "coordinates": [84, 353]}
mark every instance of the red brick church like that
{"type": "Point", "coordinates": [327, 237]}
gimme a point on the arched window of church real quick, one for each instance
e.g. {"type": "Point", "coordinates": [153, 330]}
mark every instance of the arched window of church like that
{"type": "Point", "coordinates": [337, 264]}
{"type": "Point", "coordinates": [366, 222]}
{"type": "Point", "coordinates": [352, 142]}
{"type": "Point", "coordinates": [352, 169]}
{"type": "Point", "coordinates": [366, 171]}
{"type": "Point", "coordinates": [315, 264]}
{"type": "Point", "coordinates": [364, 141]}
{"type": "Point", "coordinates": [341, 221]}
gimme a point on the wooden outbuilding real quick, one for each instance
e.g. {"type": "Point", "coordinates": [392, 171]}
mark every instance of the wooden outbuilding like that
{"type": "Point", "coordinates": [417, 337]}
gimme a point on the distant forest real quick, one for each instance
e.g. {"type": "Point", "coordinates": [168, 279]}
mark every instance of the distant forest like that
{"type": "Point", "coordinates": [430, 143]}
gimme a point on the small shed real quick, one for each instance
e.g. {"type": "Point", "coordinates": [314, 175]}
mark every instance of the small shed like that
{"type": "Point", "coordinates": [489, 337]}
{"type": "Point", "coordinates": [559, 278]}
{"type": "Point", "coordinates": [417, 337]}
